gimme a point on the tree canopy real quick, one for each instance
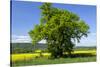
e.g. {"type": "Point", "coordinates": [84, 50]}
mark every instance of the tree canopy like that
{"type": "Point", "coordinates": [59, 28]}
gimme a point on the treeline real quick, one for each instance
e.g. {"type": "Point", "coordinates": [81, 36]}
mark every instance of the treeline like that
{"type": "Point", "coordinates": [29, 48]}
{"type": "Point", "coordinates": [26, 47]}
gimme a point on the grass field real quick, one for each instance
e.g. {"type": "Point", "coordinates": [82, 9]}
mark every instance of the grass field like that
{"type": "Point", "coordinates": [40, 59]}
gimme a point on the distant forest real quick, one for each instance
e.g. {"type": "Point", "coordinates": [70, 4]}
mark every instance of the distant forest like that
{"type": "Point", "coordinates": [30, 48]}
{"type": "Point", "coordinates": [26, 47]}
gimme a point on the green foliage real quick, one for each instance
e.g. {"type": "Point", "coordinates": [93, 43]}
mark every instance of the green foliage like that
{"type": "Point", "coordinates": [58, 27]}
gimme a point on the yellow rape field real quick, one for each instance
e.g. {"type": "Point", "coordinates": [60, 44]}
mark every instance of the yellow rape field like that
{"type": "Point", "coordinates": [89, 51]}
{"type": "Point", "coordinates": [22, 57]}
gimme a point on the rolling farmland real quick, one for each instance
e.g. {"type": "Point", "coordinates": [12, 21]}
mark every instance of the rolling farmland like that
{"type": "Point", "coordinates": [40, 55]}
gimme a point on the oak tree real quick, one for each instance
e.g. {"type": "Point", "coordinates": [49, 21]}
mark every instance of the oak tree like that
{"type": "Point", "coordinates": [60, 28]}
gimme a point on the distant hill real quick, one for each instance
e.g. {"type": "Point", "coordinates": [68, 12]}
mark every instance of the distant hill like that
{"type": "Point", "coordinates": [29, 47]}
{"type": "Point", "coordinates": [26, 47]}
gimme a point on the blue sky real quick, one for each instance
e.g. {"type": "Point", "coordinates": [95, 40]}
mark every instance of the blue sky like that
{"type": "Point", "coordinates": [26, 14]}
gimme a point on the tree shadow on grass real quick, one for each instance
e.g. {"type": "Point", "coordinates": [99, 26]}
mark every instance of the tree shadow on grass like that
{"type": "Point", "coordinates": [79, 55]}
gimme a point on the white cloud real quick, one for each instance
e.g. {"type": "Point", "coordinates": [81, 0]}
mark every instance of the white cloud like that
{"type": "Point", "coordinates": [42, 41]}
{"type": "Point", "coordinates": [23, 39]}
{"type": "Point", "coordinates": [20, 39]}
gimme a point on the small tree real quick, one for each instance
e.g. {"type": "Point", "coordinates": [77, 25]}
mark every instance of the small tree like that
{"type": "Point", "coordinates": [59, 28]}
